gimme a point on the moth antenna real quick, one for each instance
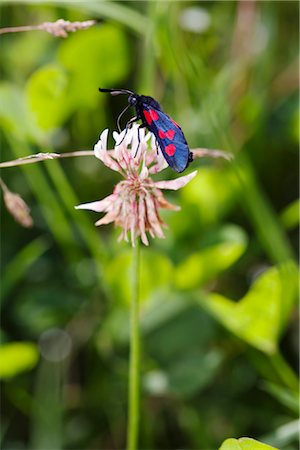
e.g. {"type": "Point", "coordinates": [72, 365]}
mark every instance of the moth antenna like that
{"type": "Point", "coordinates": [120, 115]}
{"type": "Point", "coordinates": [116, 91]}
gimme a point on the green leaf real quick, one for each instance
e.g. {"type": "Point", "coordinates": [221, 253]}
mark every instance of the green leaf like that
{"type": "Point", "coordinates": [290, 215]}
{"type": "Point", "coordinates": [23, 260]}
{"type": "Point", "coordinates": [47, 97]}
{"type": "Point", "coordinates": [98, 57]}
{"type": "Point", "coordinates": [167, 341]}
{"type": "Point", "coordinates": [244, 444]}
{"type": "Point", "coordinates": [285, 435]}
{"type": "Point", "coordinates": [259, 317]}
{"type": "Point", "coordinates": [17, 357]}
{"type": "Point", "coordinates": [285, 396]}
{"type": "Point", "coordinates": [193, 371]}
{"type": "Point", "coordinates": [213, 193]}
{"type": "Point", "coordinates": [203, 266]}
{"type": "Point", "coordinates": [156, 272]}
{"type": "Point", "coordinates": [15, 117]}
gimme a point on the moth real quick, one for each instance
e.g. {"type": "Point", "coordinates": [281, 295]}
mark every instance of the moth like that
{"type": "Point", "coordinates": [167, 132]}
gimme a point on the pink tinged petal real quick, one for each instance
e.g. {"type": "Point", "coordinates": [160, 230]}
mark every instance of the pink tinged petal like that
{"type": "Point", "coordinates": [142, 220]}
{"type": "Point", "coordinates": [139, 146]}
{"type": "Point", "coordinates": [106, 158]}
{"type": "Point", "coordinates": [123, 157]}
{"type": "Point", "coordinates": [150, 156]}
{"type": "Point", "coordinates": [108, 218]}
{"type": "Point", "coordinates": [148, 137]}
{"type": "Point", "coordinates": [177, 183]}
{"type": "Point", "coordinates": [159, 166]}
{"type": "Point", "coordinates": [144, 239]}
{"type": "Point", "coordinates": [133, 219]}
{"type": "Point", "coordinates": [118, 136]}
{"type": "Point", "coordinates": [157, 204]}
{"type": "Point", "coordinates": [101, 144]}
{"type": "Point", "coordinates": [161, 163]}
{"type": "Point", "coordinates": [103, 154]}
{"type": "Point", "coordinates": [135, 138]}
{"type": "Point", "coordinates": [164, 204]}
{"type": "Point", "coordinates": [153, 220]}
{"type": "Point", "coordinates": [123, 219]}
{"type": "Point", "coordinates": [144, 173]}
{"type": "Point", "coordinates": [111, 163]}
{"type": "Point", "coordinates": [125, 136]}
{"type": "Point", "coordinates": [133, 232]}
{"type": "Point", "coordinates": [153, 141]}
{"type": "Point", "coordinates": [98, 206]}
{"type": "Point", "coordinates": [151, 233]}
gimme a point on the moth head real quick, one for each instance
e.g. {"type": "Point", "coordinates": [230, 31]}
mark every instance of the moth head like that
{"type": "Point", "coordinates": [132, 100]}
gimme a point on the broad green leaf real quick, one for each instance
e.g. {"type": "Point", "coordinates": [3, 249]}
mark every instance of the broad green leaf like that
{"type": "Point", "coordinates": [284, 435]}
{"type": "Point", "coordinates": [15, 117]}
{"type": "Point", "coordinates": [212, 194]}
{"type": "Point", "coordinates": [244, 444]}
{"type": "Point", "coordinates": [34, 45]}
{"type": "Point", "coordinates": [188, 328]}
{"type": "Point", "coordinates": [17, 357]}
{"type": "Point", "coordinates": [193, 371]}
{"type": "Point", "coordinates": [290, 215]}
{"type": "Point", "coordinates": [261, 314]}
{"type": "Point", "coordinates": [47, 96]}
{"type": "Point", "coordinates": [167, 341]}
{"type": "Point", "coordinates": [98, 57]}
{"type": "Point", "coordinates": [156, 272]}
{"type": "Point", "coordinates": [203, 266]}
{"type": "Point", "coordinates": [159, 311]}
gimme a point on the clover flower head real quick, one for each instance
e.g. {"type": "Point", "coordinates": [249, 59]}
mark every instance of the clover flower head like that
{"type": "Point", "coordinates": [136, 200]}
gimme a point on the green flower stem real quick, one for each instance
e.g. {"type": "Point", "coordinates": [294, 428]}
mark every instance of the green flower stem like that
{"type": "Point", "coordinates": [134, 368]}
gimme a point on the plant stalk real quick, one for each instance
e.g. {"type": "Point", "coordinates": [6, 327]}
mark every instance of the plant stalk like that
{"type": "Point", "coordinates": [134, 364]}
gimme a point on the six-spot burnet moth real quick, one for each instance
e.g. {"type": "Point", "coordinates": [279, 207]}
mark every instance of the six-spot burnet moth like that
{"type": "Point", "coordinates": [168, 133]}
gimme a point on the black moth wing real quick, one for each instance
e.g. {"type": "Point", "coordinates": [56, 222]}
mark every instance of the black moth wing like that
{"type": "Point", "coordinates": [169, 136]}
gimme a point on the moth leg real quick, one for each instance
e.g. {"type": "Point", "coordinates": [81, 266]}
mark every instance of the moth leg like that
{"type": "Point", "coordinates": [139, 138]}
{"type": "Point", "coordinates": [157, 146]}
{"type": "Point", "coordinates": [130, 122]}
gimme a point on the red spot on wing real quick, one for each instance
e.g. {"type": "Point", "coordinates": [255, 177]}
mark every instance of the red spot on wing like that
{"type": "Point", "coordinates": [153, 114]}
{"type": "Point", "coordinates": [170, 149]}
{"type": "Point", "coordinates": [170, 134]}
{"type": "Point", "coordinates": [147, 117]}
{"type": "Point", "coordinates": [161, 134]}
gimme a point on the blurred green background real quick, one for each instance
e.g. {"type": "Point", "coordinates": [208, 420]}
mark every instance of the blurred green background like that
{"type": "Point", "coordinates": [218, 313]}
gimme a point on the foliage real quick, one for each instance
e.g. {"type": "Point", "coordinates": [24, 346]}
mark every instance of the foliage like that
{"type": "Point", "coordinates": [244, 444]}
{"type": "Point", "coordinates": [218, 307]}
{"type": "Point", "coordinates": [17, 357]}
